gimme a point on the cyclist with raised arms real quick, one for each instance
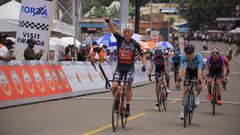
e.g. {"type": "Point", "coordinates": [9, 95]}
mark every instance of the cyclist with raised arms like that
{"type": "Point", "coordinates": [217, 68]}
{"type": "Point", "coordinates": [158, 60]}
{"type": "Point", "coordinates": [194, 64]}
{"type": "Point", "coordinates": [126, 51]}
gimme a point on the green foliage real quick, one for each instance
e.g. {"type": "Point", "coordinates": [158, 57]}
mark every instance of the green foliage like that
{"type": "Point", "coordinates": [99, 11]}
{"type": "Point", "coordinates": [114, 12]}
{"type": "Point", "coordinates": [205, 12]}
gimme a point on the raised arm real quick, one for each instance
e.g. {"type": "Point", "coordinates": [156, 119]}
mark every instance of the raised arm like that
{"type": "Point", "coordinates": [111, 27]}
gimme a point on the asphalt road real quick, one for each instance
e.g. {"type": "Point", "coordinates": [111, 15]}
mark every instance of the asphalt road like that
{"type": "Point", "coordinates": [90, 115]}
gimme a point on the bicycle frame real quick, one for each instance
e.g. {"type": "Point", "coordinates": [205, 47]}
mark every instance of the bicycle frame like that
{"type": "Point", "coordinates": [189, 103]}
{"type": "Point", "coordinates": [214, 97]}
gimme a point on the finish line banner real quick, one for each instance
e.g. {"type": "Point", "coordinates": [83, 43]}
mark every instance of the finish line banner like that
{"type": "Point", "coordinates": [35, 22]}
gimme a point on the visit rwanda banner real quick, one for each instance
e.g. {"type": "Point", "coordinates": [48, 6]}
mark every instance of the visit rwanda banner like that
{"type": "Point", "coordinates": [35, 22]}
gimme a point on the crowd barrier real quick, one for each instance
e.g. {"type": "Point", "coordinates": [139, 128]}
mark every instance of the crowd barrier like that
{"type": "Point", "coordinates": [23, 82]}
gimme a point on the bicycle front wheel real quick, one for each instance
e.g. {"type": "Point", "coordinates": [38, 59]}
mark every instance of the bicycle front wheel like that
{"type": "Point", "coordinates": [186, 117]}
{"type": "Point", "coordinates": [115, 112]}
{"type": "Point", "coordinates": [214, 100]}
{"type": "Point", "coordinates": [164, 98]}
{"type": "Point", "coordinates": [158, 98]}
{"type": "Point", "coordinates": [123, 107]}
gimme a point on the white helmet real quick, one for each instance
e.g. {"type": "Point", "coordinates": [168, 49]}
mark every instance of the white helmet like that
{"type": "Point", "coordinates": [158, 46]}
{"type": "Point", "coordinates": [128, 26]}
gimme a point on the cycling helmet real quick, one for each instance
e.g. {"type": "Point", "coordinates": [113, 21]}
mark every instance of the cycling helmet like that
{"type": "Point", "coordinates": [128, 26]}
{"type": "Point", "coordinates": [189, 48]}
{"type": "Point", "coordinates": [158, 46]}
{"type": "Point", "coordinates": [215, 50]}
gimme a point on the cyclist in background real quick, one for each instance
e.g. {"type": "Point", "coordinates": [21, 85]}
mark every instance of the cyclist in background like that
{"type": "Point", "coordinates": [215, 67]}
{"type": "Point", "coordinates": [194, 64]}
{"type": "Point", "coordinates": [126, 51]}
{"type": "Point", "coordinates": [176, 62]}
{"type": "Point", "coordinates": [160, 64]}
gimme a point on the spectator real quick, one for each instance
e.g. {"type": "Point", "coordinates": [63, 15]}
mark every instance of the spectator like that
{"type": "Point", "coordinates": [3, 49]}
{"type": "Point", "coordinates": [29, 53]}
{"type": "Point", "coordinates": [82, 54]}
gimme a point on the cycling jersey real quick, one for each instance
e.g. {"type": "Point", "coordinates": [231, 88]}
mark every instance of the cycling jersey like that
{"type": "Point", "coordinates": [196, 63]}
{"type": "Point", "coordinates": [126, 53]}
{"type": "Point", "coordinates": [192, 67]}
{"type": "Point", "coordinates": [159, 62]}
{"type": "Point", "coordinates": [213, 65]}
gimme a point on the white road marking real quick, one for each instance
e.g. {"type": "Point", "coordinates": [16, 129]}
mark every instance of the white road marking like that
{"type": "Point", "coordinates": [148, 98]}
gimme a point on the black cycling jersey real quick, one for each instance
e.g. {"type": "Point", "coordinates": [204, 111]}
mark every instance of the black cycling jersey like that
{"type": "Point", "coordinates": [126, 53]}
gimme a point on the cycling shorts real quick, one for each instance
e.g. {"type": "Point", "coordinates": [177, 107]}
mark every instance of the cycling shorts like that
{"type": "Point", "coordinates": [159, 72]}
{"type": "Point", "coordinates": [118, 75]}
{"type": "Point", "coordinates": [189, 75]}
{"type": "Point", "coordinates": [215, 72]}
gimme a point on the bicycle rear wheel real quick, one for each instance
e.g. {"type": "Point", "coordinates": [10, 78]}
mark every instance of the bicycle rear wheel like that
{"type": "Point", "coordinates": [123, 107]}
{"type": "Point", "coordinates": [115, 112]}
{"type": "Point", "coordinates": [214, 99]}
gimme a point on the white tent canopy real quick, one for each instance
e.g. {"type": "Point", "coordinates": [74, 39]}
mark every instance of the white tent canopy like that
{"type": "Point", "coordinates": [9, 15]}
{"type": "Point", "coordinates": [237, 30]}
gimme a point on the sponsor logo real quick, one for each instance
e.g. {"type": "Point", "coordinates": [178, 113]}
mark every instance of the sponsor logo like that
{"type": "Point", "coordinates": [63, 78]}
{"type": "Point", "coordinates": [79, 77]}
{"type": "Point", "coordinates": [57, 80]}
{"type": "Point", "coordinates": [49, 79]}
{"type": "Point", "coordinates": [4, 84]}
{"type": "Point", "coordinates": [101, 75]}
{"type": "Point", "coordinates": [28, 81]}
{"type": "Point", "coordinates": [90, 77]}
{"type": "Point", "coordinates": [39, 80]}
{"type": "Point", "coordinates": [35, 11]}
{"type": "Point", "coordinates": [16, 82]}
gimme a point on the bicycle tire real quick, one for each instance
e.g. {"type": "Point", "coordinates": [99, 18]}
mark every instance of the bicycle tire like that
{"type": "Point", "coordinates": [214, 99]}
{"type": "Point", "coordinates": [164, 98]}
{"type": "Point", "coordinates": [158, 97]}
{"type": "Point", "coordinates": [186, 115]}
{"type": "Point", "coordinates": [115, 112]}
{"type": "Point", "coordinates": [123, 107]}
{"type": "Point", "coordinates": [191, 107]}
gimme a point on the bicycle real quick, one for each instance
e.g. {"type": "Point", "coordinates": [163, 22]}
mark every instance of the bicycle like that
{"type": "Point", "coordinates": [161, 93]}
{"type": "Point", "coordinates": [119, 103]}
{"type": "Point", "coordinates": [189, 105]}
{"type": "Point", "coordinates": [214, 95]}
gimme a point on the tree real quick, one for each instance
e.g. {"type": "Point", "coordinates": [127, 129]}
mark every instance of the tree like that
{"type": "Point", "coordinates": [114, 12]}
{"type": "Point", "coordinates": [99, 12]}
{"type": "Point", "coordinates": [204, 12]}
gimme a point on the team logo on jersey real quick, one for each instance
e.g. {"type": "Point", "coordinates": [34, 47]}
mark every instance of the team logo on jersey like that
{"type": "Point", "coordinates": [4, 84]}
{"type": "Point", "coordinates": [28, 81]}
{"type": "Point", "coordinates": [57, 80]}
{"type": "Point", "coordinates": [16, 82]}
{"type": "Point", "coordinates": [49, 79]}
{"type": "Point", "coordinates": [39, 80]}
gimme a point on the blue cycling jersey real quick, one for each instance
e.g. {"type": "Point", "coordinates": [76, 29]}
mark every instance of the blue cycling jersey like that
{"type": "Point", "coordinates": [196, 63]}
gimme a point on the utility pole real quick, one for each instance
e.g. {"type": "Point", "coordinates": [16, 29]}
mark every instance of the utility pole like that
{"type": "Point", "coordinates": [123, 13]}
{"type": "Point", "coordinates": [151, 18]}
{"type": "Point", "coordinates": [170, 10]}
{"type": "Point", "coordinates": [137, 16]}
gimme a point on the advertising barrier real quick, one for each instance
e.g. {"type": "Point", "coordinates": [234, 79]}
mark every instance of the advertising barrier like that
{"type": "Point", "coordinates": [24, 82]}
